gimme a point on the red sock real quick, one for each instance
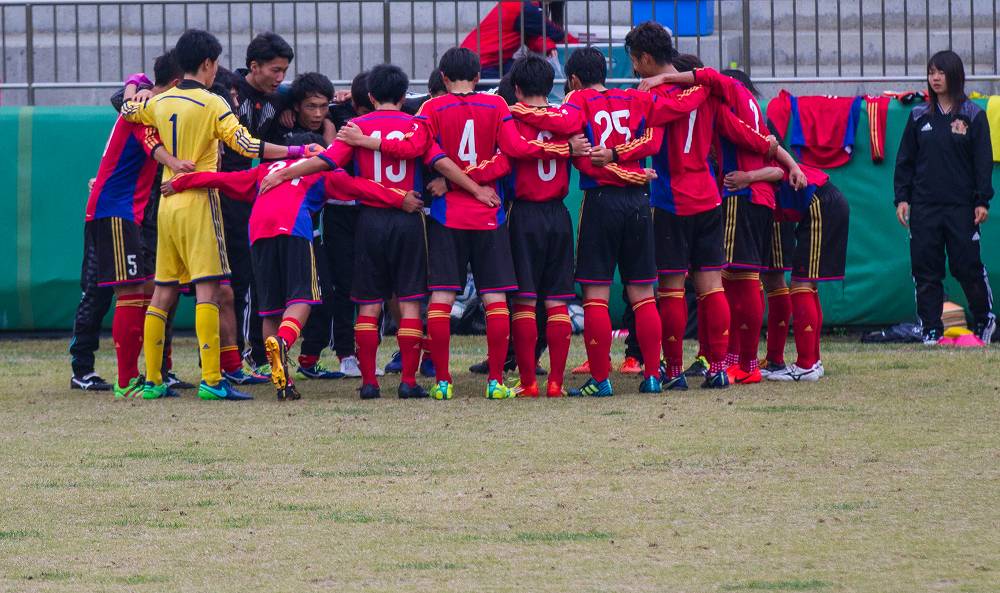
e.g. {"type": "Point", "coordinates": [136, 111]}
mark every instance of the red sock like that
{"type": "Point", "coordinates": [779, 313]}
{"type": "Point", "coordinates": [819, 322]}
{"type": "Point", "coordinates": [558, 333]}
{"type": "Point", "coordinates": [439, 336]}
{"type": "Point", "coordinates": [308, 361]}
{"type": "Point", "coordinates": [366, 339]}
{"type": "Point", "coordinates": [126, 331]}
{"type": "Point", "coordinates": [229, 359]}
{"type": "Point", "coordinates": [597, 335]}
{"type": "Point", "coordinates": [716, 327]}
{"type": "Point", "coordinates": [289, 330]}
{"type": "Point", "coordinates": [806, 326]}
{"type": "Point", "coordinates": [409, 337]}
{"type": "Point", "coordinates": [702, 330]}
{"type": "Point", "coordinates": [673, 322]}
{"type": "Point", "coordinates": [497, 337]}
{"type": "Point", "coordinates": [649, 332]}
{"type": "Point", "coordinates": [730, 283]}
{"type": "Point", "coordinates": [524, 326]}
{"type": "Point", "coordinates": [749, 321]}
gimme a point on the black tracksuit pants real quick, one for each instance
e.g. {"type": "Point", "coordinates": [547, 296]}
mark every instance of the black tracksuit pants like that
{"type": "Point", "coordinates": [316, 333]}
{"type": "Point", "coordinates": [936, 229]}
{"type": "Point", "coordinates": [339, 223]}
{"type": "Point", "coordinates": [95, 302]}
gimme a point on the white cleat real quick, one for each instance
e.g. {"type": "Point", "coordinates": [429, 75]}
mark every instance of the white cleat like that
{"type": "Point", "coordinates": [794, 373]}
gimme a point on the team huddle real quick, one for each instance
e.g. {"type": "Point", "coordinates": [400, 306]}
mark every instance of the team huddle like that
{"type": "Point", "coordinates": [682, 180]}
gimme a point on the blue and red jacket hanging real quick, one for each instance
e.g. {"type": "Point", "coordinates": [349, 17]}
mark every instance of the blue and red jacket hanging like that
{"type": "Point", "coordinates": [820, 130]}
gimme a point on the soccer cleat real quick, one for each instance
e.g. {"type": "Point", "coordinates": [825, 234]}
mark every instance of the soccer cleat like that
{"type": "Point", "coordinates": [526, 390]}
{"type": "Point", "coordinates": [411, 392]}
{"type": "Point", "coordinates": [349, 366]}
{"type": "Point", "coordinates": [678, 383]}
{"type": "Point", "coordinates": [241, 377]}
{"type": "Point", "coordinates": [263, 370]}
{"type": "Point", "coordinates": [540, 371]}
{"type": "Point", "coordinates": [89, 382]}
{"type": "Point", "coordinates": [317, 371]}
{"type": "Point", "coordinates": [698, 368]}
{"type": "Point", "coordinates": [985, 331]}
{"type": "Point", "coordinates": [768, 367]}
{"type": "Point", "coordinates": [480, 368]}
{"type": "Point", "coordinates": [442, 391]}
{"type": "Point", "coordinates": [396, 364]}
{"type": "Point", "coordinates": [593, 389]}
{"type": "Point", "coordinates": [650, 385]}
{"type": "Point", "coordinates": [630, 366]}
{"type": "Point", "coordinates": [289, 393]}
{"type": "Point", "coordinates": [738, 376]}
{"type": "Point", "coordinates": [583, 369]}
{"type": "Point", "coordinates": [370, 391]}
{"type": "Point", "coordinates": [946, 341]}
{"type": "Point", "coordinates": [497, 390]}
{"type": "Point", "coordinates": [134, 388]}
{"type": "Point", "coordinates": [931, 337]}
{"type": "Point", "coordinates": [277, 356]}
{"type": "Point", "coordinates": [719, 380]}
{"type": "Point", "coordinates": [175, 382]}
{"type": "Point", "coordinates": [796, 373]}
{"type": "Point", "coordinates": [554, 390]}
{"type": "Point", "coordinates": [222, 390]}
{"type": "Point", "coordinates": [152, 391]}
{"type": "Point", "coordinates": [820, 369]}
{"type": "Point", "coordinates": [427, 367]}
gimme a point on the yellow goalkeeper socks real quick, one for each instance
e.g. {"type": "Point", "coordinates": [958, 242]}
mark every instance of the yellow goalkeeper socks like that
{"type": "Point", "coordinates": [154, 333]}
{"type": "Point", "coordinates": [206, 327]}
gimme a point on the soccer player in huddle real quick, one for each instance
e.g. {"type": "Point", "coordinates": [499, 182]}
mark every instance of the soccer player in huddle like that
{"type": "Point", "coordinates": [191, 240]}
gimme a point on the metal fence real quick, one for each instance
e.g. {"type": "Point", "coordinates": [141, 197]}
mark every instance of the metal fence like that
{"type": "Point", "coordinates": [70, 52]}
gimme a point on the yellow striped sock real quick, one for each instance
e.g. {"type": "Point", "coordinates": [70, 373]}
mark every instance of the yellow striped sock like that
{"type": "Point", "coordinates": [206, 326]}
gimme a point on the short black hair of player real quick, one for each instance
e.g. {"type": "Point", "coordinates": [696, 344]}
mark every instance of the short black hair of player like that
{"type": "Point", "coordinates": [743, 78]}
{"type": "Point", "coordinates": [950, 63]}
{"type": "Point", "coordinates": [194, 47]}
{"type": "Point", "coordinates": [387, 83]}
{"type": "Point", "coordinates": [651, 38]}
{"type": "Point", "coordinates": [268, 46]}
{"type": "Point", "coordinates": [506, 89]}
{"type": "Point", "coordinates": [588, 64]}
{"type": "Point", "coordinates": [359, 91]}
{"type": "Point", "coordinates": [225, 81]}
{"type": "Point", "coordinates": [166, 68]}
{"type": "Point", "coordinates": [300, 138]}
{"type": "Point", "coordinates": [533, 75]}
{"type": "Point", "coordinates": [311, 83]}
{"type": "Point", "coordinates": [459, 63]}
{"type": "Point", "coordinates": [687, 62]}
{"type": "Point", "coordinates": [435, 83]}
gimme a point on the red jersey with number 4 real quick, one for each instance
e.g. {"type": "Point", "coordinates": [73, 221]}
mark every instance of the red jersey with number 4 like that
{"type": "Point", "coordinates": [125, 176]}
{"type": "Point", "coordinates": [686, 183]}
{"type": "Point", "coordinates": [288, 208]}
{"type": "Point", "coordinates": [404, 174]}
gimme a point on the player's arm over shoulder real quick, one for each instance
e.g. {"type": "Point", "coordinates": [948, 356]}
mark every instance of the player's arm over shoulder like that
{"type": "Point", "coordinates": [229, 129]}
{"type": "Point", "coordinates": [140, 112]}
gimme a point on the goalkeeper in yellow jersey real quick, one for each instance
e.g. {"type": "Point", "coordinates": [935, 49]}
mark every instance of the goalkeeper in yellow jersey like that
{"type": "Point", "coordinates": [190, 243]}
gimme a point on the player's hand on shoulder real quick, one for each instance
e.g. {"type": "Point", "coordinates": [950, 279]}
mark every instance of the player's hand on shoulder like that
{"type": "Point", "coordinates": [183, 167]}
{"type": "Point", "coordinates": [272, 180]}
{"type": "Point", "coordinates": [343, 96]}
{"type": "Point", "coordinates": [579, 145]}
{"type": "Point", "coordinates": [437, 186]}
{"type": "Point", "coordinates": [653, 81]}
{"type": "Point", "coordinates": [311, 150]}
{"type": "Point", "coordinates": [350, 134]}
{"type": "Point", "coordinates": [412, 202]}
{"type": "Point", "coordinates": [798, 179]}
{"type": "Point", "coordinates": [287, 118]}
{"type": "Point", "coordinates": [142, 95]}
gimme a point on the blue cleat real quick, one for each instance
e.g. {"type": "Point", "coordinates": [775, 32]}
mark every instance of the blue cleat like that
{"type": "Point", "coordinates": [223, 390]}
{"type": "Point", "coordinates": [317, 371]}
{"type": "Point", "coordinates": [718, 380]}
{"type": "Point", "coordinates": [650, 385]}
{"type": "Point", "coordinates": [242, 377]}
{"type": "Point", "coordinates": [678, 383]}
{"type": "Point", "coordinates": [427, 367]}
{"type": "Point", "coordinates": [396, 364]}
{"type": "Point", "coordinates": [593, 389]}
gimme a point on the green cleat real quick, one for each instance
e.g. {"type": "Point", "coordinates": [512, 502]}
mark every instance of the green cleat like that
{"type": "Point", "coordinates": [135, 388]}
{"type": "Point", "coordinates": [497, 390]}
{"type": "Point", "coordinates": [153, 391]}
{"type": "Point", "coordinates": [442, 391]}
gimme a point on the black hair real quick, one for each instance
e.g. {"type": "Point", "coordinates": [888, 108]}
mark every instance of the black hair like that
{"type": "Point", "coordinates": [268, 46]}
{"type": "Point", "coordinates": [387, 83]}
{"type": "Point", "coordinates": [311, 83]}
{"type": "Point", "coordinates": [744, 79]}
{"type": "Point", "coordinates": [687, 62]}
{"type": "Point", "coordinates": [950, 63]}
{"type": "Point", "coordinates": [359, 91]}
{"type": "Point", "coordinates": [435, 83]}
{"type": "Point", "coordinates": [459, 63]}
{"type": "Point", "coordinates": [588, 64]}
{"type": "Point", "coordinates": [651, 38]}
{"type": "Point", "coordinates": [225, 81]}
{"type": "Point", "coordinates": [166, 68]}
{"type": "Point", "coordinates": [194, 47]}
{"type": "Point", "coordinates": [305, 138]}
{"type": "Point", "coordinates": [506, 89]}
{"type": "Point", "coordinates": [533, 75]}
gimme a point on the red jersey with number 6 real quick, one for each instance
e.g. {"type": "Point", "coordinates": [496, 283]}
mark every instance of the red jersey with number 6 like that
{"type": "Point", "coordinates": [539, 180]}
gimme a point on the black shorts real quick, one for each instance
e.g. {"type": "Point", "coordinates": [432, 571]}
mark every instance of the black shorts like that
{"type": "Point", "coordinates": [285, 273]}
{"type": "Point", "coordinates": [778, 257]}
{"type": "Point", "coordinates": [616, 229]}
{"type": "Point", "coordinates": [122, 257]}
{"type": "Point", "coordinates": [451, 251]}
{"type": "Point", "coordinates": [821, 238]}
{"type": "Point", "coordinates": [747, 233]}
{"type": "Point", "coordinates": [689, 243]}
{"type": "Point", "coordinates": [541, 242]}
{"type": "Point", "coordinates": [390, 256]}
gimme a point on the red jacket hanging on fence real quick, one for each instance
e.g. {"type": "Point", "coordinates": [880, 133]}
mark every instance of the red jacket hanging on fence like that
{"type": "Point", "coordinates": [498, 36]}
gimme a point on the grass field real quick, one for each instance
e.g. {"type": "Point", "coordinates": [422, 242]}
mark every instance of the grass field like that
{"type": "Point", "coordinates": [884, 477]}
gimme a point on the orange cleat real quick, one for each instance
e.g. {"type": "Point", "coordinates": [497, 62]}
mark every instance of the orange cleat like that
{"type": "Point", "coordinates": [583, 369]}
{"type": "Point", "coordinates": [555, 390]}
{"type": "Point", "coordinates": [630, 366]}
{"type": "Point", "coordinates": [526, 390]}
{"type": "Point", "coordinates": [738, 376]}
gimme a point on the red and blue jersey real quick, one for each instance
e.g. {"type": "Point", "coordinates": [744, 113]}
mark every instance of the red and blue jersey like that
{"type": "Point", "coordinates": [287, 209]}
{"type": "Point", "coordinates": [539, 179]}
{"type": "Point", "coordinates": [126, 173]}
{"type": "Point", "coordinates": [820, 130]}
{"type": "Point", "coordinates": [792, 204]}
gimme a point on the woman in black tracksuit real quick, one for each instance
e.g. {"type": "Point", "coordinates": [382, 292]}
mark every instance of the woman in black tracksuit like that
{"type": "Point", "coordinates": [943, 190]}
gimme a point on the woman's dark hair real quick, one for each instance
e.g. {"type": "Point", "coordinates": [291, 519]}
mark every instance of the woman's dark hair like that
{"type": "Point", "coordinates": [359, 92]}
{"type": "Point", "coordinates": [387, 83]}
{"type": "Point", "coordinates": [533, 75]}
{"type": "Point", "coordinates": [588, 64]}
{"type": "Point", "coordinates": [194, 46]}
{"type": "Point", "coordinates": [311, 83]}
{"type": "Point", "coordinates": [744, 79]}
{"type": "Point", "coordinates": [268, 46]}
{"type": "Point", "coordinates": [166, 68]}
{"type": "Point", "coordinates": [459, 63]}
{"type": "Point", "coordinates": [687, 62]}
{"type": "Point", "coordinates": [950, 64]}
{"type": "Point", "coordinates": [651, 38]}
{"type": "Point", "coordinates": [435, 84]}
{"type": "Point", "coordinates": [506, 89]}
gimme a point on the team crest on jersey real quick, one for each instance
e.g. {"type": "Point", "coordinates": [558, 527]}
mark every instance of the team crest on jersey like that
{"type": "Point", "coordinates": [958, 126]}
